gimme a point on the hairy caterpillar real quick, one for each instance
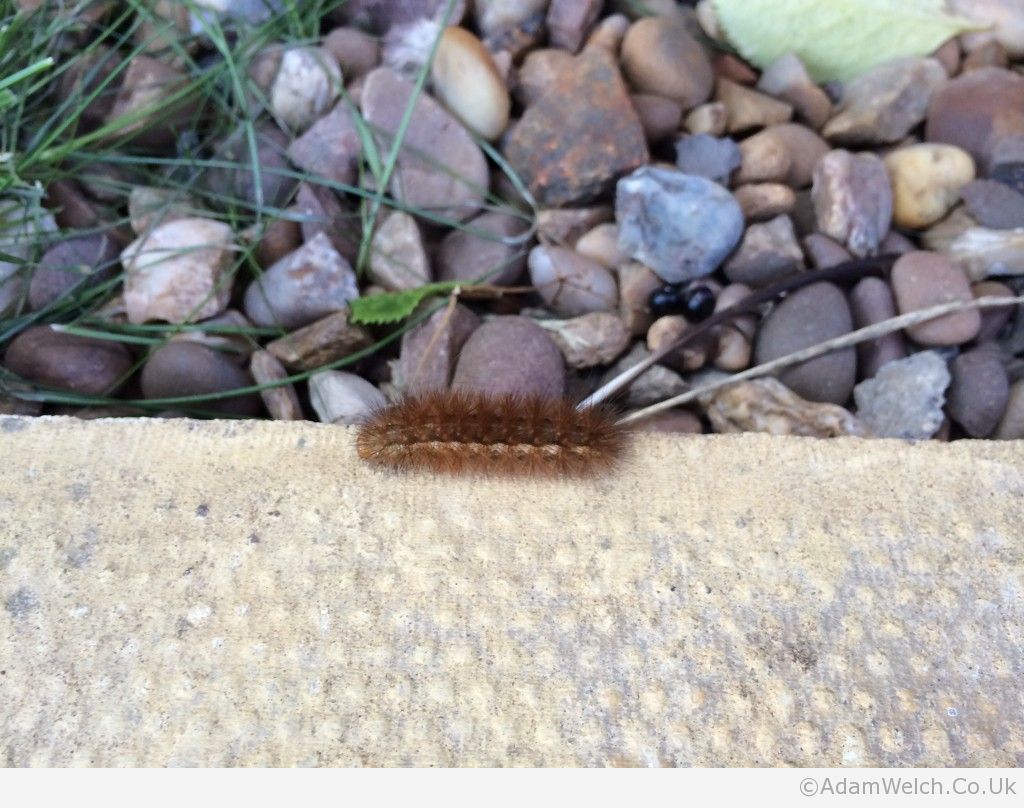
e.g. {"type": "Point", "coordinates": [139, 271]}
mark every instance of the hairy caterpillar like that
{"type": "Point", "coordinates": [459, 431]}
{"type": "Point", "coordinates": [456, 431]}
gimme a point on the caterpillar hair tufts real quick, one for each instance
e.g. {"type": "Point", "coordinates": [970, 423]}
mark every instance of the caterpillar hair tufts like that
{"type": "Point", "coordinates": [458, 432]}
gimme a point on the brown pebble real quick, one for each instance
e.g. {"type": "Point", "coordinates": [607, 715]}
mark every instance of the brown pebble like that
{"type": "Point", "coordinates": [924, 279]}
{"type": "Point", "coordinates": [806, 317]}
{"type": "Point", "coordinates": [658, 115]}
{"type": "Point", "coordinates": [94, 367]}
{"type": "Point", "coordinates": [824, 252]}
{"type": "Point", "coordinates": [281, 401]}
{"type": "Point", "coordinates": [979, 391]}
{"type": "Point", "coordinates": [429, 350]}
{"type": "Point", "coordinates": [1011, 426]}
{"type": "Point", "coordinates": [764, 200]}
{"type": "Point", "coordinates": [979, 111]}
{"type": "Point", "coordinates": [660, 56]}
{"type": "Point", "coordinates": [179, 369]}
{"type": "Point", "coordinates": [510, 355]}
{"type": "Point", "coordinates": [871, 302]}
{"type": "Point", "coordinates": [993, 320]}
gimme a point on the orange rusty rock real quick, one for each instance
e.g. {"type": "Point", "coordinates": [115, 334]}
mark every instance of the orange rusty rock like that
{"type": "Point", "coordinates": [580, 136]}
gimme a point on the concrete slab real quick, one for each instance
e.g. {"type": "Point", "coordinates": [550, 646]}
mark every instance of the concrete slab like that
{"type": "Point", "coordinates": [185, 593]}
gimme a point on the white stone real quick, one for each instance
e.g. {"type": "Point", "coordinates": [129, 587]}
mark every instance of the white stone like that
{"type": "Point", "coordinates": [21, 226]}
{"type": "Point", "coordinates": [175, 272]}
{"type": "Point", "coordinates": [306, 86]}
{"type": "Point", "coordinates": [398, 260]}
{"type": "Point", "coordinates": [343, 398]}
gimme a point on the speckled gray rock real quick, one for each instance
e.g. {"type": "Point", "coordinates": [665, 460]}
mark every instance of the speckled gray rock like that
{"type": "Point", "coordinates": [871, 302]}
{"type": "Point", "coordinates": [571, 284]}
{"type": "Point", "coordinates": [62, 361]}
{"type": "Point", "coordinates": [852, 200]}
{"type": "Point", "coordinates": [466, 255]}
{"type": "Point", "coordinates": [679, 225]}
{"type": "Point", "coordinates": [904, 398]}
{"type": "Point", "coordinates": [884, 104]}
{"type": "Point", "coordinates": [807, 317]}
{"type": "Point", "coordinates": [863, 582]}
{"type": "Point", "coordinates": [978, 392]}
{"type": "Point", "coordinates": [430, 349]}
{"type": "Point", "coordinates": [304, 286]}
{"type": "Point", "coordinates": [993, 204]}
{"type": "Point", "coordinates": [768, 252]}
{"type": "Point", "coordinates": [182, 368]}
{"type": "Point", "coordinates": [714, 158]}
{"type": "Point", "coordinates": [510, 355]}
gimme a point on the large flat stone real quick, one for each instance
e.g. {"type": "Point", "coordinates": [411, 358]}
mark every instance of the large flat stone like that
{"type": "Point", "coordinates": [244, 593]}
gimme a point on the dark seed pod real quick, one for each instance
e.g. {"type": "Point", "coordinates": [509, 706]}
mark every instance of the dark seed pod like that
{"type": "Point", "coordinates": [695, 303]}
{"type": "Point", "coordinates": [700, 303]}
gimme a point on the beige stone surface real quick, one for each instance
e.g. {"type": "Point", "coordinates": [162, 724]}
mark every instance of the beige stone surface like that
{"type": "Point", "coordinates": [242, 593]}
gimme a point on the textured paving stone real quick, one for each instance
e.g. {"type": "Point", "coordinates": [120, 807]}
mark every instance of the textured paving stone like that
{"type": "Point", "coordinates": [245, 593]}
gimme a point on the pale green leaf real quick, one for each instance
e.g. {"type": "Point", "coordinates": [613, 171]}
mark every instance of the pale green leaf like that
{"type": "Point", "coordinates": [390, 307]}
{"type": "Point", "coordinates": [836, 39]}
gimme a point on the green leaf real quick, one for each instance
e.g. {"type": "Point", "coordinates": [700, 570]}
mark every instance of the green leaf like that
{"type": "Point", "coordinates": [390, 307]}
{"type": "Point", "coordinates": [836, 39]}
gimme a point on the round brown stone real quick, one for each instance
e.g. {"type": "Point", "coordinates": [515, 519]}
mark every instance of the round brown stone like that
{"type": "Point", "coordinates": [511, 355]}
{"type": "Point", "coordinates": [659, 56]}
{"type": "Point", "coordinates": [978, 112]}
{"type": "Point", "coordinates": [95, 367]}
{"type": "Point", "coordinates": [808, 317]}
{"type": "Point", "coordinates": [182, 368]}
{"type": "Point", "coordinates": [924, 279]}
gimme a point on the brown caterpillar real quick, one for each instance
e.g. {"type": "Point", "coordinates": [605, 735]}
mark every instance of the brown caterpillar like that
{"type": "Point", "coordinates": [455, 431]}
{"type": "Point", "coordinates": [459, 431]}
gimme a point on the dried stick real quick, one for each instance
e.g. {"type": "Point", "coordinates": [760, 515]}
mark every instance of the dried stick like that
{"type": "Point", "coordinates": [844, 341]}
